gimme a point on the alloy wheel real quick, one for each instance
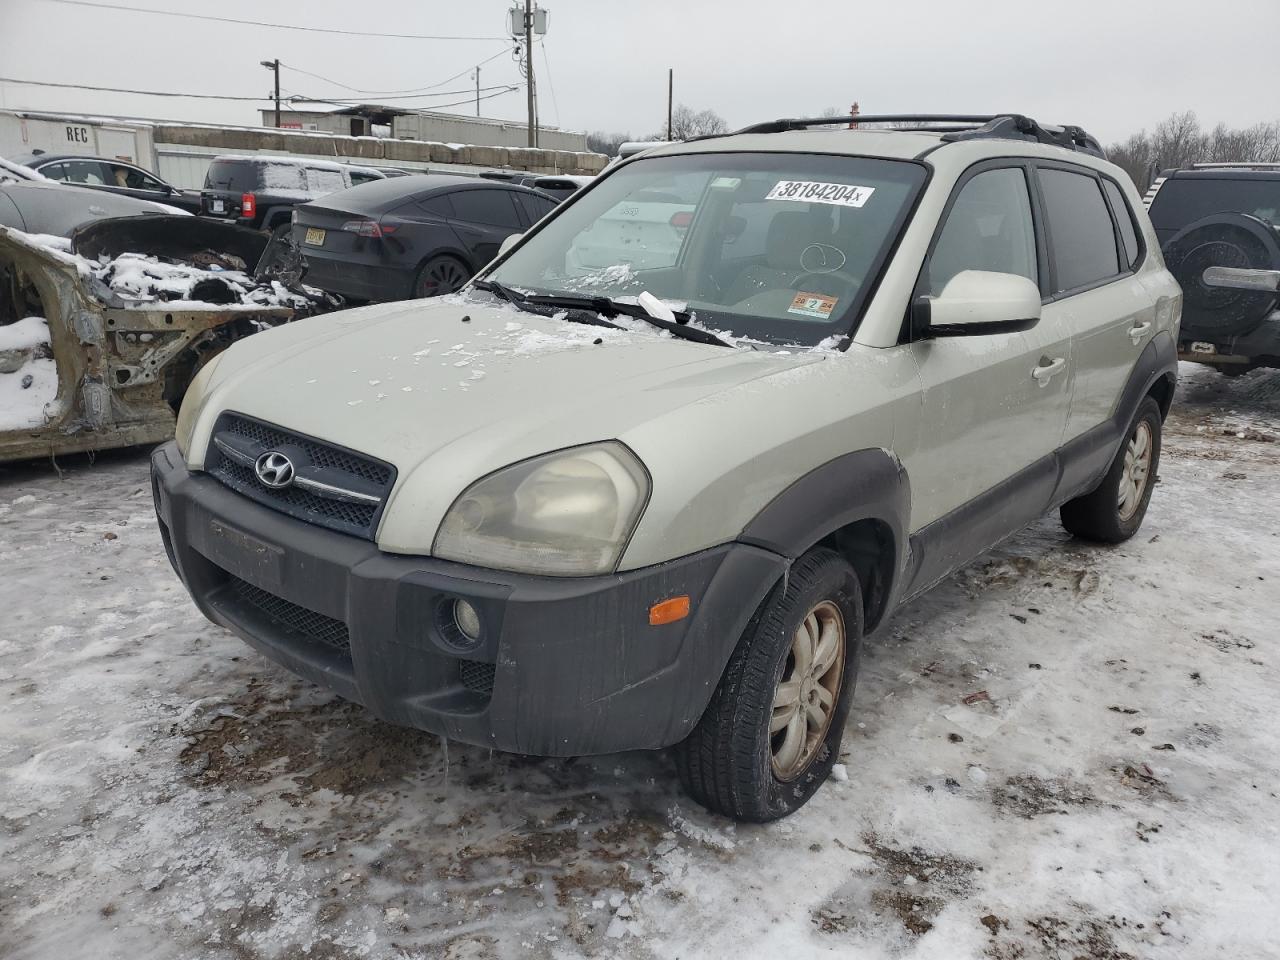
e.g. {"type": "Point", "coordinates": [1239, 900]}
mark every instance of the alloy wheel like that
{"type": "Point", "coordinates": [1137, 468]}
{"type": "Point", "coordinates": [807, 694]}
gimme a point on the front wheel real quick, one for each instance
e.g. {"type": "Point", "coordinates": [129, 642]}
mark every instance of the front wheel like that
{"type": "Point", "coordinates": [440, 275]}
{"type": "Point", "coordinates": [771, 733]}
{"type": "Point", "coordinates": [1113, 512]}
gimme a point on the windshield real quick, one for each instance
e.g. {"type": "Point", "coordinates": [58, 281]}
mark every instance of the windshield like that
{"type": "Point", "coordinates": [779, 247]}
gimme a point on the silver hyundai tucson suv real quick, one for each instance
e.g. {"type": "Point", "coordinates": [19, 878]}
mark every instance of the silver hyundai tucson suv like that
{"type": "Point", "coordinates": [654, 475]}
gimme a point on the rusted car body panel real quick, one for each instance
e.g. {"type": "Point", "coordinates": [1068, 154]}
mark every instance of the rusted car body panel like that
{"type": "Point", "coordinates": [119, 370]}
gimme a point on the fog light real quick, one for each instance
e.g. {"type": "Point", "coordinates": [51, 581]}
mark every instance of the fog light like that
{"type": "Point", "coordinates": [467, 620]}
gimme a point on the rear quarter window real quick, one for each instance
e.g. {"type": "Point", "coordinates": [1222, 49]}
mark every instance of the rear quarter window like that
{"type": "Point", "coordinates": [1124, 216]}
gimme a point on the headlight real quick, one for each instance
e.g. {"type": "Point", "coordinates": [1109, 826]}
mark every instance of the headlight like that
{"type": "Point", "coordinates": [193, 403]}
{"type": "Point", "coordinates": [568, 513]}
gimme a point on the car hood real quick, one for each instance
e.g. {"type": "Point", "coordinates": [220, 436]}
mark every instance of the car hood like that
{"type": "Point", "coordinates": [405, 382]}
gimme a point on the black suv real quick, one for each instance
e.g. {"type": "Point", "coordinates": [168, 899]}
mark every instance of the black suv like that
{"type": "Point", "coordinates": [261, 191]}
{"type": "Point", "coordinates": [1217, 224]}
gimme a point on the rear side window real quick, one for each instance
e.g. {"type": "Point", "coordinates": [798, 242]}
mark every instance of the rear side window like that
{"type": "Point", "coordinates": [322, 182]}
{"type": "Point", "coordinates": [989, 228]}
{"type": "Point", "coordinates": [1124, 216]}
{"type": "Point", "coordinates": [1082, 236]}
{"type": "Point", "coordinates": [491, 207]}
{"type": "Point", "coordinates": [535, 207]}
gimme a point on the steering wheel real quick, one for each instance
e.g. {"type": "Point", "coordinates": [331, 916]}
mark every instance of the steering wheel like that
{"type": "Point", "coordinates": [801, 281]}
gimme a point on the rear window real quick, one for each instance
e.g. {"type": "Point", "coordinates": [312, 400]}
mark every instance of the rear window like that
{"type": "Point", "coordinates": [1083, 239]}
{"type": "Point", "coordinates": [233, 175]}
{"type": "Point", "coordinates": [1180, 202]}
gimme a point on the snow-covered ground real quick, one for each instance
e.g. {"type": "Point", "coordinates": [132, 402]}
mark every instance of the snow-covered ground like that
{"type": "Point", "coordinates": [1062, 752]}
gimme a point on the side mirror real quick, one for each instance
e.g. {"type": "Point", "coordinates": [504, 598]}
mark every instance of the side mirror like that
{"type": "Point", "coordinates": [978, 303]}
{"type": "Point", "coordinates": [508, 243]}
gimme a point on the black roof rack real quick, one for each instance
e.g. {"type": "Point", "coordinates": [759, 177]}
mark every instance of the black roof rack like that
{"type": "Point", "coordinates": [953, 127]}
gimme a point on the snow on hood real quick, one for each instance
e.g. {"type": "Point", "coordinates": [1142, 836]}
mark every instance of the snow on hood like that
{"type": "Point", "coordinates": [403, 381]}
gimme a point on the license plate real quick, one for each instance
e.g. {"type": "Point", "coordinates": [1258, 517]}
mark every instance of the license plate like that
{"type": "Point", "coordinates": [315, 237]}
{"type": "Point", "coordinates": [217, 206]}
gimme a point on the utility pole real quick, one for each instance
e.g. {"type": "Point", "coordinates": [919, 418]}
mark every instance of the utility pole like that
{"type": "Point", "coordinates": [670, 91]}
{"type": "Point", "coordinates": [275, 66]}
{"type": "Point", "coordinates": [477, 91]}
{"type": "Point", "coordinates": [528, 60]}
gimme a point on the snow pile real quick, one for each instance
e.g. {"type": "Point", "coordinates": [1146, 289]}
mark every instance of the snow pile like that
{"type": "Point", "coordinates": [149, 279]}
{"type": "Point", "coordinates": [28, 374]}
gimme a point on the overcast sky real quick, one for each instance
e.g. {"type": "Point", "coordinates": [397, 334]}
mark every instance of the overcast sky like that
{"type": "Point", "coordinates": [1112, 66]}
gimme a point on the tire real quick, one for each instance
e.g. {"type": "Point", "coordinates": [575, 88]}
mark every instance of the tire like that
{"type": "Point", "coordinates": [440, 275]}
{"type": "Point", "coordinates": [1103, 515]}
{"type": "Point", "coordinates": [731, 763]}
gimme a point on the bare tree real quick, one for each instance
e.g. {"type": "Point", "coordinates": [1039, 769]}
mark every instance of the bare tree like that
{"type": "Point", "coordinates": [687, 122]}
{"type": "Point", "coordinates": [1179, 141]}
{"type": "Point", "coordinates": [607, 143]}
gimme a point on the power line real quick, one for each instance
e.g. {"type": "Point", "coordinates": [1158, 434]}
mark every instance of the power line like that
{"type": "Point", "coordinates": [146, 93]}
{"type": "Point", "coordinates": [499, 91]}
{"type": "Point", "coordinates": [501, 88]}
{"type": "Point", "coordinates": [550, 83]}
{"type": "Point", "coordinates": [410, 90]}
{"type": "Point", "coordinates": [261, 23]}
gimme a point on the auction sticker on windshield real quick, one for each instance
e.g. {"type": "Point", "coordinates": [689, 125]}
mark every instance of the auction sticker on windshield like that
{"type": "Point", "coordinates": [813, 305]}
{"type": "Point", "coordinates": [814, 191]}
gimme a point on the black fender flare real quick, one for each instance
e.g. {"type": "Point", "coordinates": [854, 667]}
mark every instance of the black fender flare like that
{"type": "Point", "coordinates": [869, 484]}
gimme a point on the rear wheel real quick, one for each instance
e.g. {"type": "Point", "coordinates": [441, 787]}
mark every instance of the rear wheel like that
{"type": "Point", "coordinates": [1114, 511]}
{"type": "Point", "coordinates": [440, 275]}
{"type": "Point", "coordinates": [771, 733]}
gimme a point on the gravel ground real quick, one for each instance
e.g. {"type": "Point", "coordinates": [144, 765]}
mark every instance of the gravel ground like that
{"type": "Point", "coordinates": [1062, 752]}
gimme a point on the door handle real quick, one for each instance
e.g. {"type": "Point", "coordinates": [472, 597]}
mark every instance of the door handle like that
{"type": "Point", "coordinates": [1138, 330]}
{"type": "Point", "coordinates": [1047, 369]}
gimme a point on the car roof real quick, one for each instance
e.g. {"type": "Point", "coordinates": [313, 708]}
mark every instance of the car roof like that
{"type": "Point", "coordinates": [1224, 173]}
{"type": "Point", "coordinates": [889, 144]}
{"type": "Point", "coordinates": [41, 159]}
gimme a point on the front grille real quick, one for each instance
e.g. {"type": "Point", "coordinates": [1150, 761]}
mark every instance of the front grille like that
{"type": "Point", "coordinates": [332, 465]}
{"type": "Point", "coordinates": [476, 676]}
{"type": "Point", "coordinates": [315, 626]}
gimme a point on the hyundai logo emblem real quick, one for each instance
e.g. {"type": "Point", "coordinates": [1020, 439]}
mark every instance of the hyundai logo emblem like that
{"type": "Point", "coordinates": [274, 470]}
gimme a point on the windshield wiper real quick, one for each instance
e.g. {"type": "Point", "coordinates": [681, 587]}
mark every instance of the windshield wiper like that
{"type": "Point", "coordinates": [606, 307]}
{"type": "Point", "coordinates": [529, 304]}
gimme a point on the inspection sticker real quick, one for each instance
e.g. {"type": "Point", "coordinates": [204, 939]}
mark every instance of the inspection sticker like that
{"type": "Point", "coordinates": [813, 305]}
{"type": "Point", "coordinates": [813, 191]}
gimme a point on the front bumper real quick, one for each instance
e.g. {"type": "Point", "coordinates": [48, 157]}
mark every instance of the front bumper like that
{"type": "Point", "coordinates": [564, 666]}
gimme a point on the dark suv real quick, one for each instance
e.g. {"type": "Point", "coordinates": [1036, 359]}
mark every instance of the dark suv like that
{"type": "Point", "coordinates": [1217, 225]}
{"type": "Point", "coordinates": [261, 191]}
